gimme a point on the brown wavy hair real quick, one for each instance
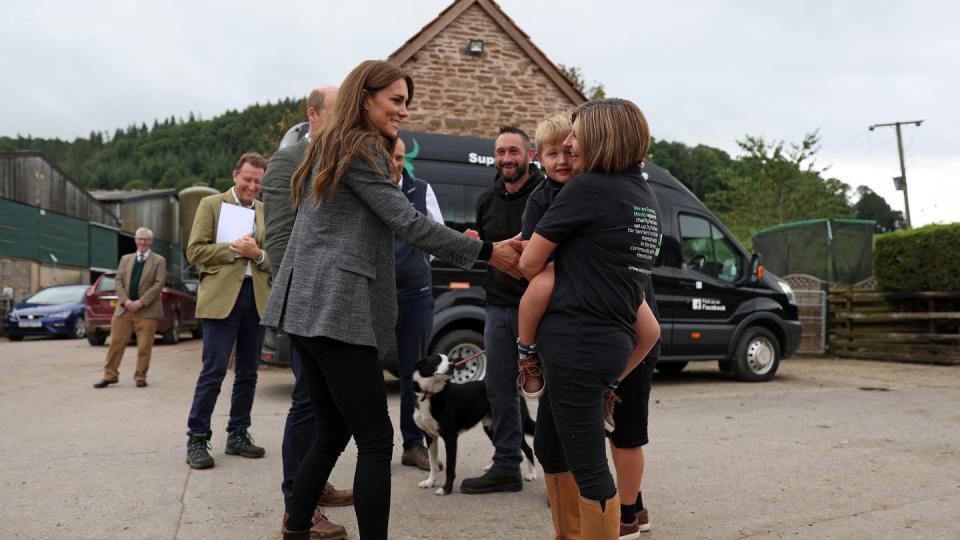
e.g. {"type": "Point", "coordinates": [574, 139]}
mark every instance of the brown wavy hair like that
{"type": "Point", "coordinates": [613, 135]}
{"type": "Point", "coordinates": [348, 133]}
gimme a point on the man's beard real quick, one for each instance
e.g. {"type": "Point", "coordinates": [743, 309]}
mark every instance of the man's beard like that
{"type": "Point", "coordinates": [521, 170]}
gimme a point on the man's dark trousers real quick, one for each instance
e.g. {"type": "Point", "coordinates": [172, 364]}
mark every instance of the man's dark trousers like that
{"type": "Point", "coordinates": [299, 430]}
{"type": "Point", "coordinates": [414, 324]}
{"type": "Point", "coordinates": [242, 327]}
{"type": "Point", "coordinates": [500, 337]}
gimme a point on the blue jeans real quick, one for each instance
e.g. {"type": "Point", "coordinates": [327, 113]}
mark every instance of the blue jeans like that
{"type": "Point", "coordinates": [500, 339]}
{"type": "Point", "coordinates": [299, 429]}
{"type": "Point", "coordinates": [414, 323]}
{"type": "Point", "coordinates": [242, 327]}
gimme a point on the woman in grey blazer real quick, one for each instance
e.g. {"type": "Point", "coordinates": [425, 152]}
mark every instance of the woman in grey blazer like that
{"type": "Point", "coordinates": [335, 291]}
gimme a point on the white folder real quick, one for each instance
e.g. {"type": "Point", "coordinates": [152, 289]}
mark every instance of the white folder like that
{"type": "Point", "coordinates": [235, 221]}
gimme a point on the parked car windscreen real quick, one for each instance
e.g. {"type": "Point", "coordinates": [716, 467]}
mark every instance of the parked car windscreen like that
{"type": "Point", "coordinates": [58, 295]}
{"type": "Point", "coordinates": [107, 284]}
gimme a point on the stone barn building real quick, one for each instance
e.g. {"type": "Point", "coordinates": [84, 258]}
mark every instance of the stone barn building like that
{"type": "Point", "coordinates": [474, 70]}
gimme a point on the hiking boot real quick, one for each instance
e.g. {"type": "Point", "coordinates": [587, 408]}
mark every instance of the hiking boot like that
{"type": "Point", "coordinates": [322, 528]}
{"type": "Point", "coordinates": [240, 443]}
{"type": "Point", "coordinates": [491, 482]}
{"type": "Point", "coordinates": [530, 378]}
{"type": "Point", "coordinates": [610, 400]}
{"type": "Point", "coordinates": [335, 497]}
{"type": "Point", "coordinates": [198, 455]}
{"type": "Point", "coordinates": [416, 456]}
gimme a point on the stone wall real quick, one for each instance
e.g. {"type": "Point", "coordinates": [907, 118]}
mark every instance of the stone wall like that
{"type": "Point", "coordinates": [460, 94]}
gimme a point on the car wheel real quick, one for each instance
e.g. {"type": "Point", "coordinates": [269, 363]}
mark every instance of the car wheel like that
{"type": "Point", "coordinates": [96, 338]}
{"type": "Point", "coordinates": [15, 338]}
{"type": "Point", "coordinates": [460, 344]}
{"type": "Point", "coordinates": [79, 328]}
{"type": "Point", "coordinates": [172, 335]}
{"type": "Point", "coordinates": [757, 355]}
{"type": "Point", "coordinates": [670, 368]}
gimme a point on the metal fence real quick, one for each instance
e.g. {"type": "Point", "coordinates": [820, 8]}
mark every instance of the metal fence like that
{"type": "Point", "coordinates": [811, 296]}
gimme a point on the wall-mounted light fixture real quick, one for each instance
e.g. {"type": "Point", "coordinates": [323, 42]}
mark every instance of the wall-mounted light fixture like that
{"type": "Point", "coordinates": [475, 47]}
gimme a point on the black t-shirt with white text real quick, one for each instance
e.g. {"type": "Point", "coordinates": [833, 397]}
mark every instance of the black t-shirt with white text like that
{"type": "Point", "coordinates": [607, 227]}
{"type": "Point", "coordinates": [537, 204]}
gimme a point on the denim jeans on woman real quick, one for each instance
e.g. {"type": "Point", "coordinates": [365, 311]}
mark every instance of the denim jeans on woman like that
{"type": "Point", "coordinates": [349, 399]}
{"type": "Point", "coordinates": [570, 432]}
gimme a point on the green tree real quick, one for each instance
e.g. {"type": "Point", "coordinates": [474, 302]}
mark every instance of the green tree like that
{"type": "Point", "coordinates": [575, 76]}
{"type": "Point", "coordinates": [771, 184]}
{"type": "Point", "coordinates": [703, 169]}
{"type": "Point", "coordinates": [873, 206]}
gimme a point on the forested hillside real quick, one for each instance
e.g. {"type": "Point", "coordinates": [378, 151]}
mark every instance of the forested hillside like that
{"type": "Point", "coordinates": [172, 152]}
{"type": "Point", "coordinates": [768, 184]}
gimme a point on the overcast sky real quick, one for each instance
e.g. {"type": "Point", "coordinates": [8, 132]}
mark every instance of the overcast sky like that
{"type": "Point", "coordinates": [704, 72]}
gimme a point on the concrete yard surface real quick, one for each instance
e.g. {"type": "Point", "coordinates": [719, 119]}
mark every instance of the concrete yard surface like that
{"type": "Point", "coordinates": [829, 449]}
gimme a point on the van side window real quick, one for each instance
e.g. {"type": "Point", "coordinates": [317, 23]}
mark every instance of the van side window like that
{"type": "Point", "coordinates": [706, 249]}
{"type": "Point", "coordinates": [450, 199]}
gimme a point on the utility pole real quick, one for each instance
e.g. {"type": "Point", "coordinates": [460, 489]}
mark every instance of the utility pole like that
{"type": "Point", "coordinates": [901, 181]}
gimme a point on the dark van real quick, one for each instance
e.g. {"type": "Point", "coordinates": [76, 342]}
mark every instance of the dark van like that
{"type": "Point", "coordinates": [716, 301]}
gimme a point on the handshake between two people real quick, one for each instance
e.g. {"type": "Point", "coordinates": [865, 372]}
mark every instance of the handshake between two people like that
{"type": "Point", "coordinates": [506, 254]}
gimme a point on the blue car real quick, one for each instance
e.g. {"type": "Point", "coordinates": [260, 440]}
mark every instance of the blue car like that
{"type": "Point", "coordinates": [54, 311]}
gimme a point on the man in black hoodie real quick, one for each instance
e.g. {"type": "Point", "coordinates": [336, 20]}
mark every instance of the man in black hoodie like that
{"type": "Point", "coordinates": [499, 213]}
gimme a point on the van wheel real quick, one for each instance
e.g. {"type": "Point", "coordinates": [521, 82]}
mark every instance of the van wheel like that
{"type": "Point", "coordinates": [670, 368]}
{"type": "Point", "coordinates": [172, 336]}
{"type": "Point", "coordinates": [757, 355]}
{"type": "Point", "coordinates": [96, 338]}
{"type": "Point", "coordinates": [460, 344]}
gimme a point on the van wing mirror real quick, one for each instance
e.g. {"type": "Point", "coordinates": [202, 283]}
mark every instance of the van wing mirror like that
{"type": "Point", "coordinates": [756, 268]}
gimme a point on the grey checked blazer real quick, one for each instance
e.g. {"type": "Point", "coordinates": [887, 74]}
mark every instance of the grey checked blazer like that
{"type": "Point", "coordinates": [337, 277]}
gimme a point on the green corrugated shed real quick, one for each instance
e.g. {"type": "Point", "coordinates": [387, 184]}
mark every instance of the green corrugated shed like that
{"type": "Point", "coordinates": [31, 233]}
{"type": "Point", "coordinates": [18, 237]}
{"type": "Point", "coordinates": [103, 247]}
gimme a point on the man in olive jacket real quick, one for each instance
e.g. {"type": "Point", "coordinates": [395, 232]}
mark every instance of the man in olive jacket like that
{"type": "Point", "coordinates": [234, 286]}
{"type": "Point", "coordinates": [139, 281]}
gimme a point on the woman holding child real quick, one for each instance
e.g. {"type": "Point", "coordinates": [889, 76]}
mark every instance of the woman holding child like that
{"type": "Point", "coordinates": [602, 231]}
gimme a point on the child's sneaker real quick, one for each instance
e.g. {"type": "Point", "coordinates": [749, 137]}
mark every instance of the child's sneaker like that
{"type": "Point", "coordinates": [530, 378]}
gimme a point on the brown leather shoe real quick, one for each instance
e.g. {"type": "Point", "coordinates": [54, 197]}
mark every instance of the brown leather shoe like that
{"type": "Point", "coordinates": [529, 377]}
{"type": "Point", "coordinates": [416, 456]}
{"type": "Point", "coordinates": [322, 528]}
{"type": "Point", "coordinates": [335, 497]}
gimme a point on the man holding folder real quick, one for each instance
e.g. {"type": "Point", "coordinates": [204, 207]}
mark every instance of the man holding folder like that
{"type": "Point", "coordinates": [226, 248]}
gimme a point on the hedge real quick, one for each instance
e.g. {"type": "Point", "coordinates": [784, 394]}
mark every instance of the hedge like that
{"type": "Point", "coordinates": [924, 259]}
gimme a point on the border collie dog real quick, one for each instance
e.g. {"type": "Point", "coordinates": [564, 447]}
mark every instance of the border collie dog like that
{"type": "Point", "coordinates": [444, 410]}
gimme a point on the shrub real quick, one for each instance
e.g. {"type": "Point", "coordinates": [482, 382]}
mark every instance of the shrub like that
{"type": "Point", "coordinates": [924, 259]}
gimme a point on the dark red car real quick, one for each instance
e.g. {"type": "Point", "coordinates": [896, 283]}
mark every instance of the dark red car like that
{"type": "Point", "coordinates": [179, 310]}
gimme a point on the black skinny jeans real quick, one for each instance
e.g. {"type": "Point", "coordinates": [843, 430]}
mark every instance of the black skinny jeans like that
{"type": "Point", "coordinates": [347, 392]}
{"type": "Point", "coordinates": [570, 432]}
